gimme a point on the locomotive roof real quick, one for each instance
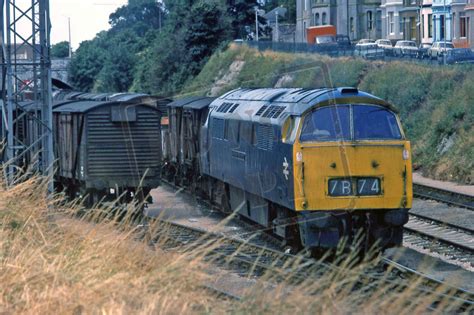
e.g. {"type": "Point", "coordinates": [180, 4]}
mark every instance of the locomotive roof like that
{"type": "Point", "coordinates": [194, 102]}
{"type": "Point", "coordinates": [277, 104]}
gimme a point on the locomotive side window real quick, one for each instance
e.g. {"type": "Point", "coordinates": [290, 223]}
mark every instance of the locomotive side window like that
{"type": "Point", "coordinates": [245, 133]}
{"type": "Point", "coordinates": [327, 124]}
{"type": "Point", "coordinates": [375, 123]}
{"type": "Point", "coordinates": [218, 128]}
{"type": "Point", "coordinates": [232, 130]}
{"type": "Point", "coordinates": [254, 134]}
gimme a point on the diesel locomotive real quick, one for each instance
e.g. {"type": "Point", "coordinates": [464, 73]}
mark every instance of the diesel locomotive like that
{"type": "Point", "coordinates": [315, 166]}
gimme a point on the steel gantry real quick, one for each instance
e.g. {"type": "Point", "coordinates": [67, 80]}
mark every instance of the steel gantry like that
{"type": "Point", "coordinates": [26, 101]}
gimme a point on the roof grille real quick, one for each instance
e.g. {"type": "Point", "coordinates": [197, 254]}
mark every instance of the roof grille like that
{"type": "Point", "coordinates": [233, 108]}
{"type": "Point", "coordinates": [261, 110]}
{"type": "Point", "coordinates": [273, 112]}
{"type": "Point", "coordinates": [224, 107]}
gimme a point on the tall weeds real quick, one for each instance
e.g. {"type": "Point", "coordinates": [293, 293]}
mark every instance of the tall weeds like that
{"type": "Point", "coordinates": [52, 261]}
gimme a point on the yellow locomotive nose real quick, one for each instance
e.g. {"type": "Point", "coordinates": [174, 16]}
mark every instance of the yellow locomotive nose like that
{"type": "Point", "coordinates": [349, 176]}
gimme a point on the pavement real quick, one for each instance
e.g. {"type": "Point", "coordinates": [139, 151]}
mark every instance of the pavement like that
{"type": "Point", "coordinates": [454, 187]}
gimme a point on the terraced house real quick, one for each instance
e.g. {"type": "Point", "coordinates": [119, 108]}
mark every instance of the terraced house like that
{"type": "Point", "coordinates": [400, 19]}
{"type": "Point", "coordinates": [423, 21]}
{"type": "Point", "coordinates": [356, 18]}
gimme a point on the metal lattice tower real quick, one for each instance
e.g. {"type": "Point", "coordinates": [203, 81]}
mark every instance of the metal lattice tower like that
{"type": "Point", "coordinates": [26, 76]}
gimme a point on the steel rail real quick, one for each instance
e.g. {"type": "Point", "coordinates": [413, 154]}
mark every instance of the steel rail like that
{"type": "Point", "coordinates": [260, 260]}
{"type": "Point", "coordinates": [446, 196]}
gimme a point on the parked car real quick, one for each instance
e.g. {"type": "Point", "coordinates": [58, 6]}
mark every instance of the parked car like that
{"type": "Point", "coordinates": [343, 41]}
{"type": "Point", "coordinates": [386, 45]}
{"type": "Point", "coordinates": [369, 51]}
{"type": "Point", "coordinates": [423, 50]}
{"type": "Point", "coordinates": [457, 55]}
{"type": "Point", "coordinates": [438, 48]}
{"type": "Point", "coordinates": [365, 41]}
{"type": "Point", "coordinates": [405, 48]}
{"type": "Point", "coordinates": [327, 44]}
{"type": "Point", "coordinates": [325, 40]}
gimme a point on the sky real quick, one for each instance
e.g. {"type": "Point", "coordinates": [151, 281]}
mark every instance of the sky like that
{"type": "Point", "coordinates": [88, 17]}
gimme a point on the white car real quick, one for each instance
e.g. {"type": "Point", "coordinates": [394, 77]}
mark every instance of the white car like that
{"type": "Point", "coordinates": [405, 48]}
{"type": "Point", "coordinates": [365, 41]}
{"type": "Point", "coordinates": [386, 45]}
{"type": "Point", "coordinates": [438, 48]}
{"type": "Point", "coordinates": [368, 51]}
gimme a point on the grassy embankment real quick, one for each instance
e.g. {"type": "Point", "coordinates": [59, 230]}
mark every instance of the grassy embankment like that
{"type": "Point", "coordinates": [436, 104]}
{"type": "Point", "coordinates": [51, 262]}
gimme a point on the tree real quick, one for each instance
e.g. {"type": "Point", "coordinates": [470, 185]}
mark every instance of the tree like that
{"type": "Point", "coordinates": [118, 68]}
{"type": "Point", "coordinates": [191, 36]}
{"type": "Point", "coordinates": [140, 16]}
{"type": "Point", "coordinates": [60, 50]}
{"type": "Point", "coordinates": [87, 63]}
{"type": "Point", "coordinates": [242, 15]}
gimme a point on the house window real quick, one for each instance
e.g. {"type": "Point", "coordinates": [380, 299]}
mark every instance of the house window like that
{"type": "Point", "coordinates": [370, 20]}
{"type": "Point", "coordinates": [430, 25]}
{"type": "Point", "coordinates": [462, 26]}
{"type": "Point", "coordinates": [391, 23]}
{"type": "Point", "coordinates": [423, 26]}
{"type": "Point", "coordinates": [316, 19]}
{"type": "Point", "coordinates": [412, 28]}
{"type": "Point", "coordinates": [324, 18]}
{"type": "Point", "coordinates": [442, 26]}
{"type": "Point", "coordinates": [351, 24]}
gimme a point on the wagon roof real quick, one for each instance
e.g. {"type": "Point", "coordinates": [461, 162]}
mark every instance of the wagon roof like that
{"type": "Point", "coordinates": [127, 97]}
{"type": "Point", "coordinates": [83, 106]}
{"type": "Point", "coordinates": [195, 102]}
{"type": "Point", "coordinates": [200, 104]}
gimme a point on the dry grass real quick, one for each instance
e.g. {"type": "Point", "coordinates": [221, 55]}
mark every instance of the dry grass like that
{"type": "Point", "coordinates": [53, 262]}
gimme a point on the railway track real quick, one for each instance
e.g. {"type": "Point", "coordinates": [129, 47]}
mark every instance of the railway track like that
{"type": "Point", "coordinates": [453, 241]}
{"type": "Point", "coordinates": [244, 256]}
{"type": "Point", "coordinates": [253, 258]}
{"type": "Point", "coordinates": [445, 196]}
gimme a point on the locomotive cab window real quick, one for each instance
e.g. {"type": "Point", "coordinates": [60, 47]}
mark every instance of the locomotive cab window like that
{"type": "Point", "coordinates": [375, 123]}
{"type": "Point", "coordinates": [350, 122]}
{"type": "Point", "coordinates": [329, 123]}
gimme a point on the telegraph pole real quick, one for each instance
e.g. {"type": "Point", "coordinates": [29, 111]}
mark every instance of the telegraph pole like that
{"type": "Point", "coordinates": [277, 35]}
{"type": "Point", "coordinates": [26, 32]}
{"type": "Point", "coordinates": [256, 23]}
{"type": "Point", "coordinates": [70, 42]}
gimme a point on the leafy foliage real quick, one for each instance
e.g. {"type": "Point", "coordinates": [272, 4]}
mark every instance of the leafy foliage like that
{"type": "Point", "coordinates": [60, 50]}
{"type": "Point", "coordinates": [87, 63]}
{"type": "Point", "coordinates": [173, 59]}
{"type": "Point", "coordinates": [157, 46]}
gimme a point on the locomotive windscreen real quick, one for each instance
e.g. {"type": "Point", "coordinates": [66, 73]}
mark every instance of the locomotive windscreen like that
{"type": "Point", "coordinates": [350, 122]}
